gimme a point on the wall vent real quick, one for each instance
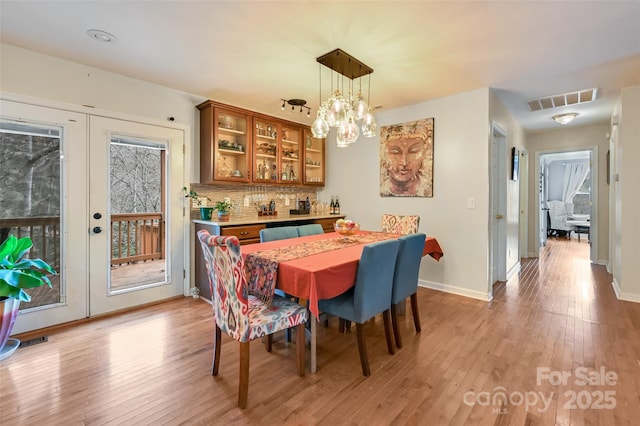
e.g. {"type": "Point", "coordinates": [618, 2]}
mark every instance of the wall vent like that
{"type": "Point", "coordinates": [563, 99]}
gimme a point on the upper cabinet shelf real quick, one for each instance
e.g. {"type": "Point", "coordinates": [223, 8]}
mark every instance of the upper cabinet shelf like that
{"type": "Point", "coordinates": [242, 146]}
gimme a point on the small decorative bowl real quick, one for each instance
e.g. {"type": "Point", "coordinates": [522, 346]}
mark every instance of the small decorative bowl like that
{"type": "Point", "coordinates": [346, 228]}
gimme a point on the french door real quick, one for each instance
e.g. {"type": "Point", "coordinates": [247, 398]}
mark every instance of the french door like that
{"type": "Point", "coordinates": [101, 200]}
{"type": "Point", "coordinates": [135, 214]}
{"type": "Point", "coordinates": [43, 161]}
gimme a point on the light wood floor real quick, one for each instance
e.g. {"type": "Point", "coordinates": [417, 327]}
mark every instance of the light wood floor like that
{"type": "Point", "coordinates": [152, 366]}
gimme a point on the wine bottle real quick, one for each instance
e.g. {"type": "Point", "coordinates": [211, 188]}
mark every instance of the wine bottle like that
{"type": "Point", "coordinates": [337, 206]}
{"type": "Point", "coordinates": [332, 207]}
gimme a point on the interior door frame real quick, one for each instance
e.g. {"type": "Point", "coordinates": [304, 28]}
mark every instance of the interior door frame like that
{"type": "Point", "coordinates": [497, 206]}
{"type": "Point", "coordinates": [593, 231]}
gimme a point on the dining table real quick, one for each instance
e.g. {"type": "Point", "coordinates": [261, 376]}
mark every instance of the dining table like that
{"type": "Point", "coordinates": [315, 267]}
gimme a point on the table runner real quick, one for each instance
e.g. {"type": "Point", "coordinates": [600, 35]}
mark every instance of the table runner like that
{"type": "Point", "coordinates": [262, 266]}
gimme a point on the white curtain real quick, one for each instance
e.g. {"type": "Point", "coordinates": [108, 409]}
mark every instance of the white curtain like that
{"type": "Point", "coordinates": [574, 176]}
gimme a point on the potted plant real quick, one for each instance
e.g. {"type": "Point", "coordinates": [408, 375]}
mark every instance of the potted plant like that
{"type": "Point", "coordinates": [17, 273]}
{"type": "Point", "coordinates": [223, 207]}
{"type": "Point", "coordinates": [205, 212]}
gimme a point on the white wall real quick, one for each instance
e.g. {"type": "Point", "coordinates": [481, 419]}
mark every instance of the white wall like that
{"type": "Point", "coordinates": [573, 138]}
{"type": "Point", "coordinates": [626, 275]}
{"type": "Point", "coordinates": [461, 155]}
{"type": "Point", "coordinates": [25, 72]}
{"type": "Point", "coordinates": [515, 138]}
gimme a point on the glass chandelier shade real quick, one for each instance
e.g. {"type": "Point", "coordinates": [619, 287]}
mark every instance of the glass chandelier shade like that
{"type": "Point", "coordinates": [344, 111]}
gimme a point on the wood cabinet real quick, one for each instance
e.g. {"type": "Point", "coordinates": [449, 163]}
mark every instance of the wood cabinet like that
{"type": "Point", "coordinates": [241, 146]}
{"type": "Point", "coordinates": [247, 234]}
{"type": "Point", "coordinates": [313, 162]}
{"type": "Point", "coordinates": [225, 144]}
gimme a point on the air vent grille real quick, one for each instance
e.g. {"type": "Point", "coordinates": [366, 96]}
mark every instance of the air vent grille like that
{"type": "Point", "coordinates": [563, 99]}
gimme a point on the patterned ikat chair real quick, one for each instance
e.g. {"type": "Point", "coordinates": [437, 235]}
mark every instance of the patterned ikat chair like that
{"type": "Point", "coordinates": [399, 224]}
{"type": "Point", "coordinates": [240, 314]}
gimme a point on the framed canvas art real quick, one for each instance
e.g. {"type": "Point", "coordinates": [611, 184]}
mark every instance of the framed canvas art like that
{"type": "Point", "coordinates": [406, 159]}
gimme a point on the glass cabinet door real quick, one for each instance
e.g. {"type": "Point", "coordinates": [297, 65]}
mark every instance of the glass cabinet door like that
{"type": "Point", "coordinates": [265, 148]}
{"type": "Point", "coordinates": [290, 158]}
{"type": "Point", "coordinates": [230, 146]}
{"type": "Point", "coordinates": [313, 159]}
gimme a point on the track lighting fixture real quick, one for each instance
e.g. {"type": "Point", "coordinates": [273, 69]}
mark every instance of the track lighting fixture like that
{"type": "Point", "coordinates": [294, 103]}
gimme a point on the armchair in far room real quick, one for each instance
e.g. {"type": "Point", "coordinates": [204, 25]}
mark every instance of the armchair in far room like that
{"type": "Point", "coordinates": [400, 224]}
{"type": "Point", "coordinates": [558, 216]}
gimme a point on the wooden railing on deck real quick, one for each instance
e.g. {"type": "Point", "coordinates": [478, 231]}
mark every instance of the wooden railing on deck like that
{"type": "Point", "coordinates": [44, 232]}
{"type": "Point", "coordinates": [134, 237]}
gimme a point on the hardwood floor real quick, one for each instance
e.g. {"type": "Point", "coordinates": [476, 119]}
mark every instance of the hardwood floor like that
{"type": "Point", "coordinates": [152, 366]}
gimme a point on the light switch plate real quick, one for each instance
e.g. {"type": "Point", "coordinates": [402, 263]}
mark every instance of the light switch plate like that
{"type": "Point", "coordinates": [471, 203]}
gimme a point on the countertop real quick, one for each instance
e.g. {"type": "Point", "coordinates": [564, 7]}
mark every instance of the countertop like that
{"type": "Point", "coordinates": [269, 219]}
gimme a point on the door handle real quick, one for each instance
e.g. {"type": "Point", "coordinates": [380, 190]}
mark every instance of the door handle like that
{"type": "Point", "coordinates": [97, 230]}
{"type": "Point", "coordinates": [499, 216]}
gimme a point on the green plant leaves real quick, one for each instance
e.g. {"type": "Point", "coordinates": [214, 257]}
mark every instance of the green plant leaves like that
{"type": "Point", "coordinates": [18, 272]}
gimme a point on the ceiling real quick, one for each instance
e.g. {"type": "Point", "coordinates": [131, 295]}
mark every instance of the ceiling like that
{"type": "Point", "coordinates": [252, 54]}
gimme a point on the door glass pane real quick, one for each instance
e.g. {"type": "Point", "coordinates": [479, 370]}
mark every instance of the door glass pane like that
{"type": "Point", "coordinates": [30, 170]}
{"type": "Point", "coordinates": [138, 225]}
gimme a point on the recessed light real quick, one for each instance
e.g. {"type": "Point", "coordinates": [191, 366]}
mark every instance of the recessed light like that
{"type": "Point", "coordinates": [102, 36]}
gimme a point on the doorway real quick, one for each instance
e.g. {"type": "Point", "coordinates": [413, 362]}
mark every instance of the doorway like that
{"type": "Point", "coordinates": [567, 197]}
{"type": "Point", "coordinates": [63, 201]}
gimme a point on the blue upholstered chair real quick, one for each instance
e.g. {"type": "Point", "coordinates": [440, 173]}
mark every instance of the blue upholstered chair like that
{"type": "Point", "coordinates": [405, 279]}
{"type": "Point", "coordinates": [278, 233]}
{"type": "Point", "coordinates": [240, 314]}
{"type": "Point", "coordinates": [370, 295]}
{"type": "Point", "coordinates": [311, 229]}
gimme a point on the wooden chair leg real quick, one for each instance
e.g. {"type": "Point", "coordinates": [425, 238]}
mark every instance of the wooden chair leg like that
{"type": "Point", "coordinates": [243, 386]}
{"type": "Point", "coordinates": [394, 324]}
{"type": "Point", "coordinates": [347, 326]}
{"type": "Point", "coordinates": [288, 334]}
{"type": "Point", "coordinates": [387, 332]}
{"type": "Point", "coordinates": [414, 311]}
{"type": "Point", "coordinates": [269, 342]}
{"type": "Point", "coordinates": [300, 344]}
{"type": "Point", "coordinates": [217, 341]}
{"type": "Point", "coordinates": [341, 326]}
{"type": "Point", "coordinates": [362, 348]}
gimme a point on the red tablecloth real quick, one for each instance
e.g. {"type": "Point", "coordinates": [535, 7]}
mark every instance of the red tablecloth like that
{"type": "Point", "coordinates": [323, 275]}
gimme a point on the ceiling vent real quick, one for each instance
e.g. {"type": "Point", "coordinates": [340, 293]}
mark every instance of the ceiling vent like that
{"type": "Point", "coordinates": [564, 99]}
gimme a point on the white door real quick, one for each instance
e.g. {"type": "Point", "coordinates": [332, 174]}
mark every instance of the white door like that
{"type": "Point", "coordinates": [135, 214]}
{"type": "Point", "coordinates": [43, 195]}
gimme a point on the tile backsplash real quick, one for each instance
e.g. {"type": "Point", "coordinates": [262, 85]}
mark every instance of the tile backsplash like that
{"type": "Point", "coordinates": [241, 195]}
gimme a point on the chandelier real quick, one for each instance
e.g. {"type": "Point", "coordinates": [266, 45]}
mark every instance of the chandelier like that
{"type": "Point", "coordinates": [342, 109]}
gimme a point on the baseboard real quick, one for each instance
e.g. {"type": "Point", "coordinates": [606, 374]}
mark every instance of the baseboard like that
{"type": "Point", "coordinates": [460, 291]}
{"type": "Point", "coordinates": [621, 295]}
{"type": "Point", "coordinates": [616, 288]}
